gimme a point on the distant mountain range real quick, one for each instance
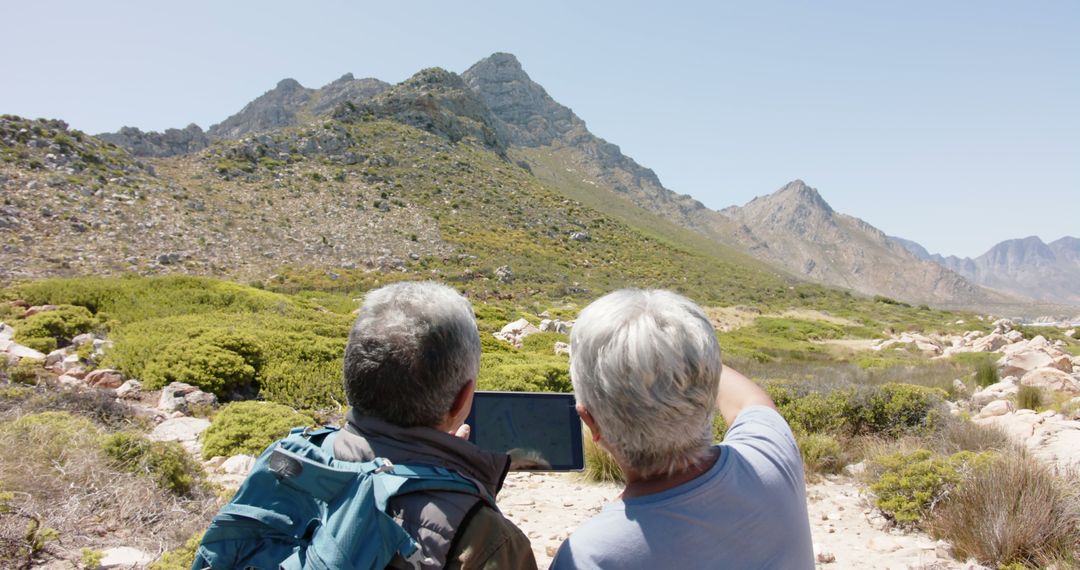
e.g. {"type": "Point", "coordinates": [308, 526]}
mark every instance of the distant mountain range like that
{"type": "Point", "coordinates": [497, 104]}
{"type": "Point", "coordinates": [1027, 267]}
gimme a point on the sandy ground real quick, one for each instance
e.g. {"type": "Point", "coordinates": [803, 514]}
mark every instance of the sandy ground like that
{"type": "Point", "coordinates": [549, 506]}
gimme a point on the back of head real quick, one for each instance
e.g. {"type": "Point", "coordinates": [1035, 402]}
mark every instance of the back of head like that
{"type": "Point", "coordinates": [413, 347]}
{"type": "Point", "coordinates": [646, 364]}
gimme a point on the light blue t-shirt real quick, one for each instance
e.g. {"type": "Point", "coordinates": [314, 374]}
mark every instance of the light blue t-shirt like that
{"type": "Point", "coordinates": [747, 511]}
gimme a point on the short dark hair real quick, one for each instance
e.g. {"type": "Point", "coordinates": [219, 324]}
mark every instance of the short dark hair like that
{"type": "Point", "coordinates": [413, 347]}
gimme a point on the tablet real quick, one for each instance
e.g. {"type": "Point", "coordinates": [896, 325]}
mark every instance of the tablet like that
{"type": "Point", "coordinates": [540, 431]}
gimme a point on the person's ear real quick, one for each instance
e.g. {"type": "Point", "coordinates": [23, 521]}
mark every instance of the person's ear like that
{"type": "Point", "coordinates": [459, 410]}
{"type": "Point", "coordinates": [590, 422]}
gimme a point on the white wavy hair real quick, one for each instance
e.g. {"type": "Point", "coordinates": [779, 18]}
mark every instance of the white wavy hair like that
{"type": "Point", "coordinates": [646, 364]}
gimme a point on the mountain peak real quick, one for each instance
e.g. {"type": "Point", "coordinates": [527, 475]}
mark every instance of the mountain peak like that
{"type": "Point", "coordinates": [288, 84]}
{"type": "Point", "coordinates": [799, 193]}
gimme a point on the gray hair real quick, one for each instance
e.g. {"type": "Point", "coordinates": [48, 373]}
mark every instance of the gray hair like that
{"type": "Point", "coordinates": [413, 347]}
{"type": "Point", "coordinates": [646, 364]}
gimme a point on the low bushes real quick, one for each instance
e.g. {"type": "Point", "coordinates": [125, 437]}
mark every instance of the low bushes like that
{"type": "Point", "coordinates": [890, 410]}
{"type": "Point", "coordinates": [47, 330]}
{"type": "Point", "coordinates": [165, 462]}
{"type": "Point", "coordinates": [1013, 510]}
{"type": "Point", "coordinates": [249, 427]}
{"type": "Point", "coordinates": [911, 484]}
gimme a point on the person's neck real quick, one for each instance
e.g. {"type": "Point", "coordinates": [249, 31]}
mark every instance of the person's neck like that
{"type": "Point", "coordinates": [640, 486]}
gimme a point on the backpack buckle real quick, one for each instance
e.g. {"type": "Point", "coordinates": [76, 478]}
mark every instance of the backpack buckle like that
{"type": "Point", "coordinates": [385, 466]}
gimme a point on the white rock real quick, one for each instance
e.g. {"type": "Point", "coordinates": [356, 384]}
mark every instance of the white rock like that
{"type": "Point", "coordinates": [989, 343]}
{"type": "Point", "coordinates": [562, 348]}
{"type": "Point", "coordinates": [20, 351]}
{"type": "Point", "coordinates": [104, 378]}
{"type": "Point", "coordinates": [959, 387]}
{"type": "Point", "coordinates": [1014, 336]}
{"type": "Point", "coordinates": [238, 465]}
{"type": "Point", "coordinates": [1019, 363]}
{"type": "Point", "coordinates": [6, 332]}
{"type": "Point", "coordinates": [70, 381]}
{"type": "Point", "coordinates": [1052, 379]}
{"type": "Point", "coordinates": [125, 557]}
{"type": "Point", "coordinates": [547, 325]}
{"type": "Point", "coordinates": [997, 408]}
{"type": "Point", "coordinates": [129, 389]}
{"type": "Point", "coordinates": [55, 357]}
{"type": "Point", "coordinates": [179, 429]}
{"type": "Point", "coordinates": [998, 391]}
{"type": "Point", "coordinates": [82, 339]}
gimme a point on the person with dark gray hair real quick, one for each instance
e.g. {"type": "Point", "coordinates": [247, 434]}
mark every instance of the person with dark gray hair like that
{"type": "Point", "coordinates": [647, 374]}
{"type": "Point", "coordinates": [411, 364]}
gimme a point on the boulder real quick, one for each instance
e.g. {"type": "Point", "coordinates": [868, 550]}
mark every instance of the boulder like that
{"type": "Point", "coordinates": [1007, 388]}
{"type": "Point", "coordinates": [104, 378]}
{"type": "Point", "coordinates": [562, 348]}
{"type": "Point", "coordinates": [38, 309]}
{"type": "Point", "coordinates": [6, 332]}
{"type": "Point", "coordinates": [1019, 363]}
{"type": "Point", "coordinates": [68, 381]}
{"type": "Point", "coordinates": [200, 398]}
{"type": "Point", "coordinates": [547, 325]}
{"type": "Point", "coordinates": [1014, 336]}
{"type": "Point", "coordinates": [129, 390]}
{"type": "Point", "coordinates": [997, 408]}
{"type": "Point", "coordinates": [54, 357]}
{"type": "Point", "coordinates": [516, 331]}
{"type": "Point", "coordinates": [563, 327]}
{"type": "Point", "coordinates": [504, 274]}
{"type": "Point", "coordinates": [125, 557]}
{"type": "Point", "coordinates": [238, 465]}
{"type": "Point", "coordinates": [989, 343]}
{"type": "Point", "coordinates": [82, 339]}
{"type": "Point", "coordinates": [959, 387]}
{"type": "Point", "coordinates": [19, 351]}
{"type": "Point", "coordinates": [1052, 379]}
{"type": "Point", "coordinates": [180, 429]}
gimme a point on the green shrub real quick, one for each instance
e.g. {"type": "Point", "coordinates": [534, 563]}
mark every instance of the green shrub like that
{"type": "Point", "coordinates": [911, 484]}
{"type": "Point", "coordinates": [211, 368]}
{"type": "Point", "coordinates": [167, 463]}
{"type": "Point", "coordinates": [91, 558]}
{"type": "Point", "coordinates": [27, 371]}
{"type": "Point", "coordinates": [821, 453]}
{"type": "Point", "coordinates": [50, 435]}
{"type": "Point", "coordinates": [1013, 510]}
{"type": "Point", "coordinates": [180, 558]}
{"type": "Point", "coordinates": [249, 427]}
{"type": "Point", "coordinates": [896, 409]}
{"type": "Point", "coordinates": [986, 373]}
{"type": "Point", "coordinates": [1029, 398]}
{"type": "Point", "coordinates": [812, 412]}
{"type": "Point", "coordinates": [59, 325]}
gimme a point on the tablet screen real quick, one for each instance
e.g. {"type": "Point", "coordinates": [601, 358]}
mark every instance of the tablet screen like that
{"type": "Point", "coordinates": [540, 431]}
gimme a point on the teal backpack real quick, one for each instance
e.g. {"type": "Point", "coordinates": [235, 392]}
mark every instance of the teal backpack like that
{"type": "Point", "coordinates": [300, 509]}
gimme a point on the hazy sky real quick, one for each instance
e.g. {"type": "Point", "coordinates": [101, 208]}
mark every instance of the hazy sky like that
{"type": "Point", "coordinates": [956, 124]}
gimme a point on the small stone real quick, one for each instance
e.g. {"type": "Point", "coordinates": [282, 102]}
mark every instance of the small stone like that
{"type": "Point", "coordinates": [238, 465]}
{"type": "Point", "coordinates": [826, 557]}
{"type": "Point", "coordinates": [129, 389]}
{"type": "Point", "coordinates": [104, 378]}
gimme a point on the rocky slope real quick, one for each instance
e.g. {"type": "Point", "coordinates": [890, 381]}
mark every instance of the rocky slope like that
{"type": "Point", "coordinates": [795, 228]}
{"type": "Point", "coordinates": [1027, 266]}
{"type": "Point", "coordinates": [496, 103]}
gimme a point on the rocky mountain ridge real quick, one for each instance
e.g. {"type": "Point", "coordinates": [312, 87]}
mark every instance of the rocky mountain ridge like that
{"type": "Point", "coordinates": [1028, 266]}
{"type": "Point", "coordinates": [497, 103]}
{"type": "Point", "coordinates": [796, 228]}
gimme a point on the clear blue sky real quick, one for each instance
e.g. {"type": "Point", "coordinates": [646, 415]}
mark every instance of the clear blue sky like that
{"type": "Point", "coordinates": [956, 124]}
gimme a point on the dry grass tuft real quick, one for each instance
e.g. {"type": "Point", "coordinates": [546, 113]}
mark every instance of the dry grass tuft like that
{"type": "Point", "coordinates": [1014, 510]}
{"type": "Point", "coordinates": [60, 479]}
{"type": "Point", "coordinates": [958, 434]}
{"type": "Point", "coordinates": [600, 466]}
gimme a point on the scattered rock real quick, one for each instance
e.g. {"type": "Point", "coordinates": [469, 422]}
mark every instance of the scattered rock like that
{"type": "Point", "coordinates": [129, 390]}
{"type": "Point", "coordinates": [997, 408]}
{"type": "Point", "coordinates": [562, 348]}
{"type": "Point", "coordinates": [184, 430]}
{"type": "Point", "coordinates": [19, 351]}
{"type": "Point", "coordinates": [515, 332]}
{"type": "Point", "coordinates": [959, 387]}
{"type": "Point", "coordinates": [38, 309]}
{"type": "Point", "coordinates": [504, 274]}
{"type": "Point", "coordinates": [238, 465]}
{"type": "Point", "coordinates": [178, 395]}
{"type": "Point", "coordinates": [6, 332]}
{"type": "Point", "coordinates": [104, 378]}
{"type": "Point", "coordinates": [1007, 388]}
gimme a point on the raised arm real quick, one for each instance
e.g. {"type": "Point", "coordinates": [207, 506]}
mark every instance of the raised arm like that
{"type": "Point", "coordinates": [737, 392]}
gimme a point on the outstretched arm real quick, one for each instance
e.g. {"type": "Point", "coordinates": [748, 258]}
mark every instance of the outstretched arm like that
{"type": "Point", "coordinates": [737, 392]}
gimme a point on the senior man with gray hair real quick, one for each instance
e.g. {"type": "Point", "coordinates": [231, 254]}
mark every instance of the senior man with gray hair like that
{"type": "Point", "coordinates": [646, 370]}
{"type": "Point", "coordinates": [410, 373]}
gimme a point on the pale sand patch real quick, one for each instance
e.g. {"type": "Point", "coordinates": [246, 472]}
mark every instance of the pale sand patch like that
{"type": "Point", "coordinates": [726, 319]}
{"type": "Point", "coordinates": [549, 506]}
{"type": "Point", "coordinates": [855, 344]}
